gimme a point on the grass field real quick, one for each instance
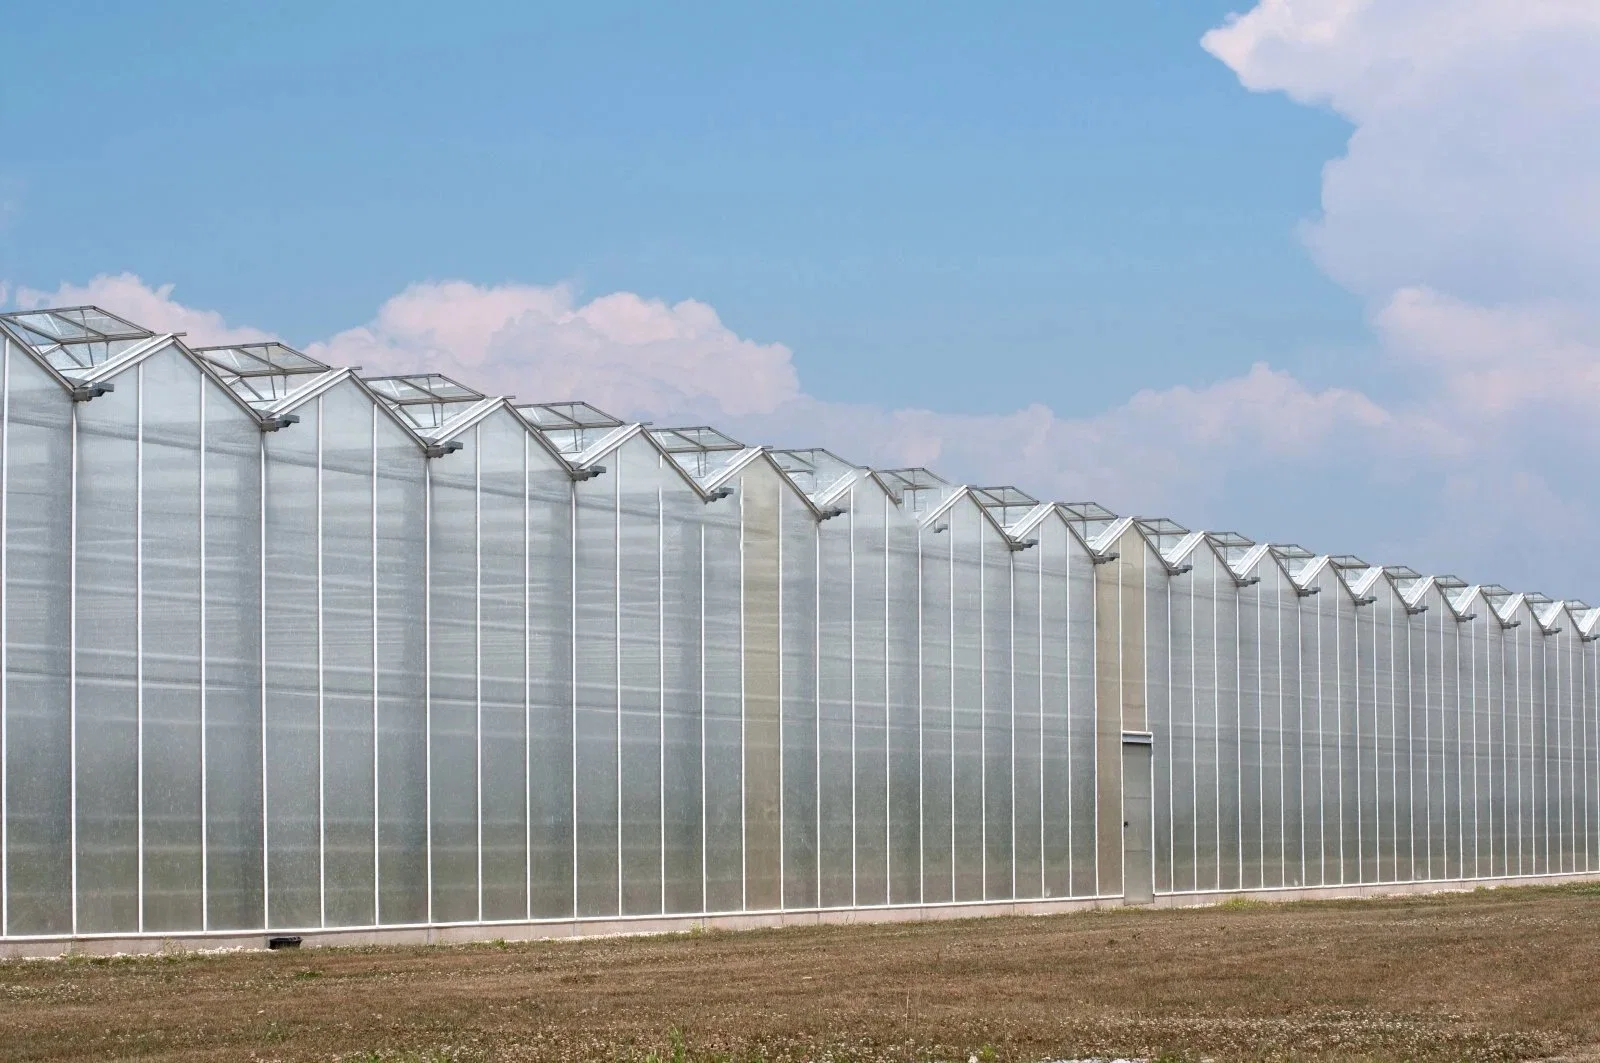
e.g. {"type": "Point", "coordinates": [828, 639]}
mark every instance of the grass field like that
{"type": "Point", "coordinates": [1491, 975]}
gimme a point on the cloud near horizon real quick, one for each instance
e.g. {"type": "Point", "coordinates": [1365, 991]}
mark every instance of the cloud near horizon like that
{"type": "Point", "coordinates": [1464, 211]}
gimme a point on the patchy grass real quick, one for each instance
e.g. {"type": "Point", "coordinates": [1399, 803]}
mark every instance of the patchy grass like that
{"type": "Point", "coordinates": [1487, 975]}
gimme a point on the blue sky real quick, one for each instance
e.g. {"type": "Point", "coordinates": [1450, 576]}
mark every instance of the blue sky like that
{"type": "Point", "coordinates": [1076, 194]}
{"type": "Point", "coordinates": [1323, 272]}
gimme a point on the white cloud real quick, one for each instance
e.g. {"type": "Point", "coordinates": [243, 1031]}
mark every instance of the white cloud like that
{"type": "Point", "coordinates": [1473, 167]}
{"type": "Point", "coordinates": [637, 356]}
{"type": "Point", "coordinates": [1466, 210]}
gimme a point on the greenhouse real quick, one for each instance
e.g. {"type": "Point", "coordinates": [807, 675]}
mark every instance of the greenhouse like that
{"type": "Point", "coordinates": [291, 649]}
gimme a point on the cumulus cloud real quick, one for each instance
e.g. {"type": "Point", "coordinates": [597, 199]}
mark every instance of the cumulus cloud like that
{"type": "Point", "coordinates": [636, 356]}
{"type": "Point", "coordinates": [1466, 209]}
{"type": "Point", "coordinates": [1473, 166]}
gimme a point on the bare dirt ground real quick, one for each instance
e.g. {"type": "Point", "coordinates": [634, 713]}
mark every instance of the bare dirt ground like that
{"type": "Point", "coordinates": [1492, 975]}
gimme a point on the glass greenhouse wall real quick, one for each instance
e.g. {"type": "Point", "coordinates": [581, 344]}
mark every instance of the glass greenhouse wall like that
{"type": "Point", "coordinates": [290, 649]}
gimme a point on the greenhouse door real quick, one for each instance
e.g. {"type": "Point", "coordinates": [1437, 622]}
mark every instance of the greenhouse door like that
{"type": "Point", "coordinates": [1138, 872]}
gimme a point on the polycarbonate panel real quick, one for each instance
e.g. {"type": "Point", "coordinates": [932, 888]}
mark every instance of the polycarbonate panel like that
{"type": "Point", "coordinates": [1158, 603]}
{"type": "Point", "coordinates": [1317, 703]}
{"type": "Point", "coordinates": [348, 677]}
{"type": "Point", "coordinates": [762, 770]}
{"type": "Point", "coordinates": [997, 723]}
{"type": "Point", "coordinates": [1474, 751]}
{"type": "Point", "coordinates": [1561, 856]}
{"type": "Point", "coordinates": [1292, 624]}
{"type": "Point", "coordinates": [1230, 771]}
{"type": "Point", "coordinates": [38, 478]}
{"type": "Point", "coordinates": [1378, 767]}
{"type": "Point", "coordinates": [1058, 552]}
{"type": "Point", "coordinates": [1027, 735]}
{"type": "Point", "coordinates": [724, 708]}
{"type": "Point", "coordinates": [1183, 619]}
{"type": "Point", "coordinates": [1208, 726]}
{"type": "Point", "coordinates": [172, 839]}
{"type": "Point", "coordinates": [870, 753]}
{"type": "Point", "coordinates": [400, 648]}
{"type": "Point", "coordinates": [1422, 691]}
{"type": "Point", "coordinates": [682, 725]}
{"type": "Point", "coordinates": [938, 760]}
{"type": "Point", "coordinates": [1248, 738]}
{"type": "Point", "coordinates": [1347, 717]}
{"type": "Point", "coordinates": [595, 687]}
{"type": "Point", "coordinates": [798, 646]}
{"type": "Point", "coordinates": [967, 724]}
{"type": "Point", "coordinates": [232, 572]}
{"type": "Point", "coordinates": [504, 667]}
{"type": "Point", "coordinates": [1589, 706]}
{"type": "Point", "coordinates": [1525, 710]}
{"type": "Point", "coordinates": [641, 481]}
{"type": "Point", "coordinates": [291, 681]}
{"type": "Point", "coordinates": [835, 706]}
{"type": "Point", "coordinates": [1450, 741]}
{"type": "Point", "coordinates": [454, 693]}
{"type": "Point", "coordinates": [1438, 778]}
{"type": "Point", "coordinates": [901, 680]}
{"type": "Point", "coordinates": [1500, 751]}
{"type": "Point", "coordinates": [107, 711]}
{"type": "Point", "coordinates": [1275, 701]}
{"type": "Point", "coordinates": [1082, 727]}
